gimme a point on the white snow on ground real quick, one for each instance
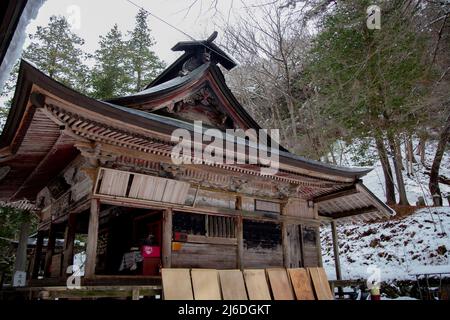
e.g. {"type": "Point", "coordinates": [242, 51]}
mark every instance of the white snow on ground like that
{"type": "Point", "coordinates": [398, 298]}
{"type": "Point", "coordinates": [416, 185]}
{"type": "Point", "coordinates": [398, 247]}
{"type": "Point", "coordinates": [79, 260]}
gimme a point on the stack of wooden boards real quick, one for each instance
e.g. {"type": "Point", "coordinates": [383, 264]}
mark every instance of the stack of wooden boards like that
{"type": "Point", "coordinates": [250, 284]}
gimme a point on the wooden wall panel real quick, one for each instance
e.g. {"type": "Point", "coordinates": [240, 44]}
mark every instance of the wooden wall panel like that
{"type": "Point", "coordinates": [267, 206]}
{"type": "Point", "coordinates": [311, 241]}
{"type": "Point", "coordinates": [215, 199]}
{"type": "Point", "coordinates": [298, 208]}
{"type": "Point", "coordinates": [145, 187]}
{"type": "Point", "coordinates": [310, 256]}
{"type": "Point", "coordinates": [294, 248]}
{"type": "Point", "coordinates": [114, 183]}
{"type": "Point", "coordinates": [263, 258]}
{"type": "Point", "coordinates": [203, 255]}
{"type": "Point", "coordinates": [55, 269]}
{"type": "Point", "coordinates": [248, 204]}
{"type": "Point", "coordinates": [262, 245]}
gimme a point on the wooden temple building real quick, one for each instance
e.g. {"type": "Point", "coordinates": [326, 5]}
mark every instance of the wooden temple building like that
{"type": "Point", "coordinates": [101, 172]}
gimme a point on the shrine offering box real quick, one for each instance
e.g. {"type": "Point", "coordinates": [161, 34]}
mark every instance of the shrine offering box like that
{"type": "Point", "coordinates": [151, 251]}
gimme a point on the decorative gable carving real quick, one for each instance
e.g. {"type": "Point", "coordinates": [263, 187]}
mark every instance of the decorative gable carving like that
{"type": "Point", "coordinates": [203, 105]}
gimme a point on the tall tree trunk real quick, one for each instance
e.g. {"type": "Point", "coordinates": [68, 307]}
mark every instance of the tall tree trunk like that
{"type": "Point", "coordinates": [291, 109]}
{"type": "Point", "coordinates": [411, 149]}
{"type": "Point", "coordinates": [409, 155]}
{"type": "Point", "coordinates": [398, 153]}
{"type": "Point", "coordinates": [408, 168]}
{"type": "Point", "coordinates": [387, 171]}
{"type": "Point", "coordinates": [283, 133]}
{"type": "Point", "coordinates": [421, 148]}
{"type": "Point", "coordinates": [333, 157]}
{"type": "Point", "coordinates": [395, 149]}
{"type": "Point", "coordinates": [434, 173]}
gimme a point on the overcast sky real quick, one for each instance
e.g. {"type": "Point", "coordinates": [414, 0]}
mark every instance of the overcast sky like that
{"type": "Point", "coordinates": [96, 17]}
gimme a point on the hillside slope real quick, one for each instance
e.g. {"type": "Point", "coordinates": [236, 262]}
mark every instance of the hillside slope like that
{"type": "Point", "coordinates": [400, 245]}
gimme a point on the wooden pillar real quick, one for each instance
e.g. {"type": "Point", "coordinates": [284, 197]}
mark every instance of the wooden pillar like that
{"type": "Point", "coordinates": [167, 239]}
{"type": "Point", "coordinates": [91, 249]}
{"type": "Point", "coordinates": [49, 251]}
{"type": "Point", "coordinates": [285, 243]}
{"type": "Point", "coordinates": [20, 264]}
{"type": "Point", "coordinates": [239, 235]}
{"type": "Point", "coordinates": [36, 263]}
{"type": "Point", "coordinates": [337, 262]}
{"type": "Point", "coordinates": [319, 246]}
{"type": "Point", "coordinates": [69, 241]}
{"type": "Point", "coordinates": [240, 242]}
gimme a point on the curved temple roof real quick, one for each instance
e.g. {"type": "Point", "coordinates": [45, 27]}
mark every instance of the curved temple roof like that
{"type": "Point", "coordinates": [28, 108]}
{"type": "Point", "coordinates": [29, 75]}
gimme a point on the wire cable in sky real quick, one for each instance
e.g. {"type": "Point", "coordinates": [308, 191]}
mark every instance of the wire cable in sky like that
{"type": "Point", "coordinates": [177, 29]}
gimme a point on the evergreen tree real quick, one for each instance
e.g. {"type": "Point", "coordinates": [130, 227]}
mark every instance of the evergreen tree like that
{"type": "Point", "coordinates": [145, 63]}
{"type": "Point", "coordinates": [371, 78]}
{"type": "Point", "coordinates": [111, 76]}
{"type": "Point", "coordinates": [56, 50]}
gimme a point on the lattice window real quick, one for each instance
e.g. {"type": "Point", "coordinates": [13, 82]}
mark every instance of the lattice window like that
{"type": "Point", "coordinates": [218, 226]}
{"type": "Point", "coordinates": [205, 225]}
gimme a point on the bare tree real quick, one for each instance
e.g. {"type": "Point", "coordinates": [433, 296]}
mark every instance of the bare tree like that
{"type": "Point", "coordinates": [269, 42]}
{"type": "Point", "coordinates": [444, 138]}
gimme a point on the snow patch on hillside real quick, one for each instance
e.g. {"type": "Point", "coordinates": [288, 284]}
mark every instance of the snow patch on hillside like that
{"type": "Point", "coordinates": [398, 247]}
{"type": "Point", "coordinates": [416, 185]}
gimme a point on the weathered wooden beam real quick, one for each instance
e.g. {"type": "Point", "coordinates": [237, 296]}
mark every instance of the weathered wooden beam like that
{"type": "Point", "coordinates": [339, 194]}
{"type": "Point", "coordinates": [239, 235]}
{"type": "Point", "coordinates": [91, 248]}
{"type": "Point", "coordinates": [285, 243]}
{"type": "Point", "coordinates": [167, 238]}
{"type": "Point", "coordinates": [211, 240]}
{"type": "Point", "coordinates": [20, 265]}
{"type": "Point", "coordinates": [50, 249]}
{"type": "Point", "coordinates": [319, 246]}
{"type": "Point", "coordinates": [353, 212]}
{"type": "Point", "coordinates": [382, 208]}
{"type": "Point", "coordinates": [69, 241]}
{"type": "Point", "coordinates": [41, 164]}
{"type": "Point", "coordinates": [148, 204]}
{"type": "Point", "coordinates": [35, 264]}
{"type": "Point", "coordinates": [337, 262]}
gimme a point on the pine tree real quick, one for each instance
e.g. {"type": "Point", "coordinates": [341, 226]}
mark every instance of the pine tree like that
{"type": "Point", "coordinates": [370, 79]}
{"type": "Point", "coordinates": [111, 76]}
{"type": "Point", "coordinates": [145, 63]}
{"type": "Point", "coordinates": [56, 50]}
